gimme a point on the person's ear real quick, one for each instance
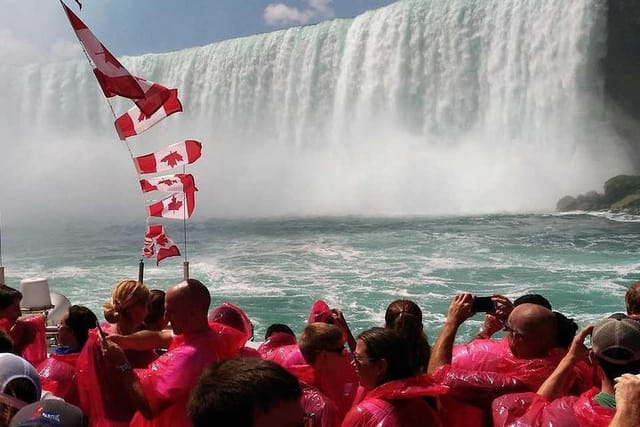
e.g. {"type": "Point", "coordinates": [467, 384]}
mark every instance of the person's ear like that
{"type": "Point", "coordinates": [381, 366]}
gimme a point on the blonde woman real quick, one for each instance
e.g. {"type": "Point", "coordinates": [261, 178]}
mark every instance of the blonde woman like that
{"type": "Point", "coordinates": [100, 397]}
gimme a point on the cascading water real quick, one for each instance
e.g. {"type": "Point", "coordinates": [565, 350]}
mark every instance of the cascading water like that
{"type": "Point", "coordinates": [422, 107]}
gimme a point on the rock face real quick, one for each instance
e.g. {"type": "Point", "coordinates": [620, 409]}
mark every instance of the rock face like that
{"type": "Point", "coordinates": [621, 194]}
{"type": "Point", "coordinates": [622, 63]}
{"type": "Point", "coordinates": [621, 68]}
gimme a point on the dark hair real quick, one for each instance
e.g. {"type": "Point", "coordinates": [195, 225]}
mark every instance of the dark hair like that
{"type": "Point", "coordinates": [383, 343]}
{"type": "Point", "coordinates": [230, 392]}
{"type": "Point", "coordinates": [156, 306]}
{"type": "Point", "coordinates": [405, 317]}
{"type": "Point", "coordinates": [278, 327]}
{"type": "Point", "coordinates": [632, 298]}
{"type": "Point", "coordinates": [6, 343]}
{"type": "Point", "coordinates": [80, 320]}
{"type": "Point", "coordinates": [566, 328]}
{"type": "Point", "coordinates": [317, 337]}
{"type": "Point", "coordinates": [613, 370]}
{"type": "Point", "coordinates": [536, 299]}
{"type": "Point", "coordinates": [8, 295]}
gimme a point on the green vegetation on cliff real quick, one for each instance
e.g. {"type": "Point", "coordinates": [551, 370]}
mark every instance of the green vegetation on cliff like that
{"type": "Point", "coordinates": [621, 194]}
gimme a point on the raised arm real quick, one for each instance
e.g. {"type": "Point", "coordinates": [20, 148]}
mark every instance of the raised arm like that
{"type": "Point", "coordinates": [555, 383]}
{"type": "Point", "coordinates": [142, 340]}
{"type": "Point", "coordinates": [442, 350]}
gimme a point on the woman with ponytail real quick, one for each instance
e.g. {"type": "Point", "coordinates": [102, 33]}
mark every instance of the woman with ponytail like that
{"type": "Point", "coordinates": [405, 317]}
{"type": "Point", "coordinates": [98, 386]}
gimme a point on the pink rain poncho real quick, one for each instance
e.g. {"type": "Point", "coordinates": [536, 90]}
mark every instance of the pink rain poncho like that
{"type": "Point", "coordinates": [485, 369]}
{"type": "Point", "coordinates": [29, 337]}
{"type": "Point", "coordinates": [286, 356]}
{"type": "Point", "coordinates": [101, 396]}
{"type": "Point", "coordinates": [321, 312]}
{"type": "Point", "coordinates": [168, 381]}
{"type": "Point", "coordinates": [398, 403]}
{"type": "Point", "coordinates": [340, 386]}
{"type": "Point", "coordinates": [239, 327]}
{"type": "Point", "coordinates": [58, 376]}
{"type": "Point", "coordinates": [275, 341]}
{"type": "Point", "coordinates": [532, 410]}
{"type": "Point", "coordinates": [322, 409]}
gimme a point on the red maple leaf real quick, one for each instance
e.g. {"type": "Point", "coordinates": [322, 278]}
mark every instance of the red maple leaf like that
{"type": "Point", "coordinates": [109, 59]}
{"type": "Point", "coordinates": [167, 181]}
{"type": "Point", "coordinates": [172, 158]}
{"type": "Point", "coordinates": [162, 240]}
{"type": "Point", "coordinates": [174, 205]}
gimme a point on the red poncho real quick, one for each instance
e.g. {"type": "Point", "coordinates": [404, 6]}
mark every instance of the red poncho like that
{"type": "Point", "coordinates": [168, 381]}
{"type": "Point", "coordinates": [532, 410]}
{"type": "Point", "coordinates": [58, 376]}
{"type": "Point", "coordinates": [29, 339]}
{"type": "Point", "coordinates": [322, 409]}
{"type": "Point", "coordinates": [396, 404]}
{"type": "Point", "coordinates": [485, 369]}
{"type": "Point", "coordinates": [276, 340]}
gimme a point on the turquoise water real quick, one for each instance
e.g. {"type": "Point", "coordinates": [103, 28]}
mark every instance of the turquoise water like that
{"type": "Point", "coordinates": [276, 268]}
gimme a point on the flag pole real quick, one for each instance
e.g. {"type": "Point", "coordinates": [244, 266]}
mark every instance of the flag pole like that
{"type": "Point", "coordinates": [185, 263]}
{"type": "Point", "coordinates": [141, 271]}
{"type": "Point", "coordinates": [1, 263]}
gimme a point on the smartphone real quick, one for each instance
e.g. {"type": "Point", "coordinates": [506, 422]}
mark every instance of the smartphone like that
{"type": "Point", "coordinates": [483, 304]}
{"type": "Point", "coordinates": [100, 331]}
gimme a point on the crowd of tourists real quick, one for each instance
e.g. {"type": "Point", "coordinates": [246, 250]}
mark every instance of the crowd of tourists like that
{"type": "Point", "coordinates": [168, 359]}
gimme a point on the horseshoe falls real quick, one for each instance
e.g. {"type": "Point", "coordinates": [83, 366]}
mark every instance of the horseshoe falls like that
{"type": "Point", "coordinates": [423, 107]}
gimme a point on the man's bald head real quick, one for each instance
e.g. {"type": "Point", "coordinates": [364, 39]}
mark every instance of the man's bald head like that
{"type": "Point", "coordinates": [186, 306]}
{"type": "Point", "coordinates": [194, 293]}
{"type": "Point", "coordinates": [533, 331]}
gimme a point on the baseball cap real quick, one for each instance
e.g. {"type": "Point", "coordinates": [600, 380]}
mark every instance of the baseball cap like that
{"type": "Point", "coordinates": [616, 339]}
{"type": "Point", "coordinates": [51, 412]}
{"type": "Point", "coordinates": [13, 367]}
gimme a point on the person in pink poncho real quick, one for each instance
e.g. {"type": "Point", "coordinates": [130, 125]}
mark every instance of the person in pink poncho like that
{"type": "Point", "coordinates": [27, 333]}
{"type": "Point", "coordinates": [160, 392]}
{"type": "Point", "coordinates": [277, 335]}
{"type": "Point", "coordinates": [395, 397]}
{"type": "Point", "coordinates": [329, 369]}
{"type": "Point", "coordinates": [289, 355]}
{"type": "Point", "coordinates": [616, 346]}
{"type": "Point", "coordinates": [233, 322]}
{"type": "Point", "coordinates": [481, 375]}
{"type": "Point", "coordinates": [97, 381]}
{"type": "Point", "coordinates": [58, 371]}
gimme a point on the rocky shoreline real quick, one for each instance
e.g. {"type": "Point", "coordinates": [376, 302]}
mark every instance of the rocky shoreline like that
{"type": "Point", "coordinates": [621, 194]}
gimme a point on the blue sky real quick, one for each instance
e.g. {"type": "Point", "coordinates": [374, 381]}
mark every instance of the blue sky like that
{"type": "Point", "coordinates": [37, 30]}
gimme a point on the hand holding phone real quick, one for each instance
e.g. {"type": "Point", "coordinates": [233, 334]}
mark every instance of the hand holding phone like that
{"type": "Point", "coordinates": [100, 331]}
{"type": "Point", "coordinates": [483, 304]}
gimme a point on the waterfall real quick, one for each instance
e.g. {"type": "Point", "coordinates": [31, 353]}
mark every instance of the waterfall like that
{"type": "Point", "coordinates": [423, 107]}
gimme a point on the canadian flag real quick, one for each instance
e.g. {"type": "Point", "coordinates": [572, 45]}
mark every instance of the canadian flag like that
{"type": "Point", "coordinates": [182, 153]}
{"type": "Point", "coordinates": [134, 121]}
{"type": "Point", "coordinates": [156, 242]}
{"type": "Point", "coordinates": [178, 182]}
{"type": "Point", "coordinates": [175, 206]}
{"type": "Point", "coordinates": [113, 78]}
{"type": "Point", "coordinates": [155, 95]}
